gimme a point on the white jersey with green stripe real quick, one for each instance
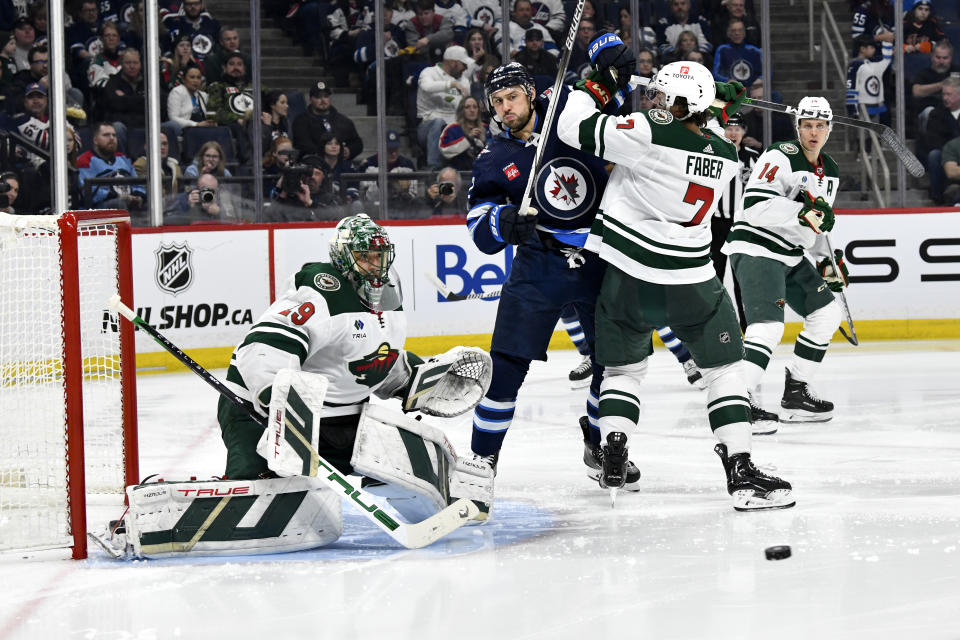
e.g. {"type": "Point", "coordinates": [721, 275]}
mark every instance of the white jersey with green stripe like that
{"type": "Point", "coordinates": [767, 226]}
{"type": "Point", "coordinates": [319, 324]}
{"type": "Point", "coordinates": [654, 218]}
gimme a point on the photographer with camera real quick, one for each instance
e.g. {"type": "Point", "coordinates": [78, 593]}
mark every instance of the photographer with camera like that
{"type": "Point", "coordinates": [304, 192]}
{"type": "Point", "coordinates": [9, 189]}
{"type": "Point", "coordinates": [204, 203]}
{"type": "Point", "coordinates": [446, 196]}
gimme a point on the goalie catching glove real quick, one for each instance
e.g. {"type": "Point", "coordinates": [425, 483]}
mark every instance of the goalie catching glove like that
{"type": "Point", "coordinates": [834, 281]}
{"type": "Point", "coordinates": [446, 385]}
{"type": "Point", "coordinates": [816, 213]}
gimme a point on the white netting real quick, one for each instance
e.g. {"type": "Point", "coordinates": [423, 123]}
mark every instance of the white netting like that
{"type": "Point", "coordinates": [34, 505]}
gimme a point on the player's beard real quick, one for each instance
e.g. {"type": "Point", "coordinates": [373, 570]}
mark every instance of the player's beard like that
{"type": "Point", "coordinates": [519, 125]}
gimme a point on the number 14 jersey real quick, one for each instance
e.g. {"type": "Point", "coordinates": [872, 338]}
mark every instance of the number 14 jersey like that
{"type": "Point", "coordinates": [654, 218]}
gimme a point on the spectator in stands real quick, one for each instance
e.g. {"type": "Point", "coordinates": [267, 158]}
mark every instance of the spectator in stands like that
{"type": "Point", "coordinates": [107, 62]}
{"type": "Point", "coordinates": [698, 57]}
{"type": "Point", "coordinates": [447, 197]}
{"type": "Point", "coordinates": [550, 15]}
{"type": "Point", "coordinates": [24, 36]}
{"type": "Point", "coordinates": [402, 194]}
{"type": "Point", "coordinates": [453, 11]}
{"type": "Point", "coordinates": [37, 13]}
{"type": "Point", "coordinates": [169, 166]}
{"type": "Point", "coordinates": [579, 58]}
{"type": "Point", "coordinates": [920, 29]}
{"type": "Point", "coordinates": [123, 99]}
{"type": "Point", "coordinates": [781, 125]}
{"type": "Point", "coordinates": [686, 42]}
{"type": "Point", "coordinates": [440, 90]}
{"type": "Point", "coordinates": [333, 162]}
{"type": "Point", "coordinates": [464, 139]}
{"type": "Point", "coordinates": [10, 181]}
{"type": "Point", "coordinates": [34, 122]}
{"type": "Point", "coordinates": [735, 10]}
{"type": "Point", "coordinates": [83, 38]}
{"type": "Point", "coordinates": [229, 43]}
{"type": "Point", "coordinates": [192, 20]}
{"type": "Point", "coordinates": [951, 170]}
{"type": "Point", "coordinates": [428, 32]}
{"type": "Point", "coordinates": [206, 202]}
{"type": "Point", "coordinates": [173, 68]}
{"type": "Point", "coordinates": [646, 61]}
{"type": "Point", "coordinates": [680, 19]}
{"type": "Point", "coordinates": [873, 18]}
{"type": "Point", "coordinates": [13, 86]}
{"type": "Point", "coordinates": [344, 23]}
{"type": "Point", "coordinates": [925, 92]}
{"type": "Point", "coordinates": [305, 200]}
{"type": "Point", "coordinates": [209, 159]}
{"type": "Point", "coordinates": [278, 156]}
{"type": "Point", "coordinates": [36, 184]}
{"type": "Point", "coordinates": [942, 126]}
{"type": "Point", "coordinates": [321, 116]}
{"type": "Point", "coordinates": [532, 56]}
{"type": "Point", "coordinates": [187, 103]}
{"type": "Point", "coordinates": [648, 38]}
{"type": "Point", "coordinates": [477, 46]}
{"type": "Point", "coordinates": [737, 60]}
{"type": "Point", "coordinates": [104, 161]}
{"type": "Point", "coordinates": [521, 21]}
{"type": "Point", "coordinates": [865, 80]}
{"type": "Point", "coordinates": [486, 16]}
{"type": "Point", "coordinates": [132, 25]}
{"type": "Point", "coordinates": [365, 55]}
{"type": "Point", "coordinates": [8, 68]}
{"type": "Point", "coordinates": [273, 120]}
{"type": "Point", "coordinates": [231, 100]}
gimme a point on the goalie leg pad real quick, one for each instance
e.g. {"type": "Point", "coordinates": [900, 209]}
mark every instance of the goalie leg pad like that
{"type": "Point", "coordinates": [290, 441]}
{"type": "Point", "coordinates": [472, 478]}
{"type": "Point", "coordinates": [231, 517]}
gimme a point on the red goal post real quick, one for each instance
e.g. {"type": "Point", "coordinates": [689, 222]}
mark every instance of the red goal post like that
{"type": "Point", "coordinates": [67, 374]}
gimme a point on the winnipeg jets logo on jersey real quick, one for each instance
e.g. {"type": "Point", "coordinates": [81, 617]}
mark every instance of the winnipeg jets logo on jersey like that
{"type": "Point", "coordinates": [565, 188]}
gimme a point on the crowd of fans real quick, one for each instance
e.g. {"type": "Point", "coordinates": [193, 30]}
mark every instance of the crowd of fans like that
{"type": "Point", "coordinates": [437, 55]}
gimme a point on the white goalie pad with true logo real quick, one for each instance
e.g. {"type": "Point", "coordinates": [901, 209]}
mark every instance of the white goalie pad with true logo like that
{"type": "Point", "coordinates": [293, 422]}
{"type": "Point", "coordinates": [225, 517]}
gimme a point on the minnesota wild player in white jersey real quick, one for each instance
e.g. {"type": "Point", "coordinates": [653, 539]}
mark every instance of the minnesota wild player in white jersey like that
{"type": "Point", "coordinates": [653, 228]}
{"type": "Point", "coordinates": [787, 206]}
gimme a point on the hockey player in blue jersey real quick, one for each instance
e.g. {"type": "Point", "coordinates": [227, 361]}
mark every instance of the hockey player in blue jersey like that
{"type": "Point", "coordinates": [550, 269]}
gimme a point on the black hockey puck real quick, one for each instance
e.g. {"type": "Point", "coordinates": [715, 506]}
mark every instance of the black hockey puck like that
{"type": "Point", "coordinates": [780, 552]}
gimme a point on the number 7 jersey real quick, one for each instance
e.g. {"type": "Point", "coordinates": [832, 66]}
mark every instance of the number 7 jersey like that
{"type": "Point", "coordinates": [654, 218]}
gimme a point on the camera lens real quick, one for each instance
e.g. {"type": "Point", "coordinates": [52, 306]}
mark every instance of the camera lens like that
{"type": "Point", "coordinates": [207, 196]}
{"type": "Point", "coordinates": [446, 188]}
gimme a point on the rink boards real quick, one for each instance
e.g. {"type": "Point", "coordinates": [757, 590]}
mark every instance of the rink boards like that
{"type": "Point", "coordinates": [204, 286]}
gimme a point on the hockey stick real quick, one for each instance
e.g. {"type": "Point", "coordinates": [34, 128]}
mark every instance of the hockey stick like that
{"type": "Point", "coordinates": [887, 135]}
{"type": "Point", "coordinates": [450, 296]}
{"type": "Point", "coordinates": [852, 338]}
{"type": "Point", "coordinates": [551, 108]}
{"type": "Point", "coordinates": [411, 535]}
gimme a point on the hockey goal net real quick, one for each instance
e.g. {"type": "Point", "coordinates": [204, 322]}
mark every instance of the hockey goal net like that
{"type": "Point", "coordinates": [67, 386]}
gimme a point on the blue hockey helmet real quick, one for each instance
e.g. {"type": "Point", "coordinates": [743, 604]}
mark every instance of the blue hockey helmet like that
{"type": "Point", "coordinates": [513, 74]}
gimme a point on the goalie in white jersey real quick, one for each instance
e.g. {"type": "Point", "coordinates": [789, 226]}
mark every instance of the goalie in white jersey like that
{"type": "Point", "coordinates": [654, 229]}
{"type": "Point", "coordinates": [787, 205]}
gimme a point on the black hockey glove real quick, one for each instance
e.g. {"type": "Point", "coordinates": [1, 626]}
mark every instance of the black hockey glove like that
{"type": "Point", "coordinates": [512, 227]}
{"type": "Point", "coordinates": [607, 52]}
{"type": "Point", "coordinates": [816, 213]}
{"type": "Point", "coordinates": [834, 281]}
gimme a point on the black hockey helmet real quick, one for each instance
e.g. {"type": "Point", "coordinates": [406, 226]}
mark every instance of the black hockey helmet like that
{"type": "Point", "coordinates": [509, 75]}
{"type": "Point", "coordinates": [736, 120]}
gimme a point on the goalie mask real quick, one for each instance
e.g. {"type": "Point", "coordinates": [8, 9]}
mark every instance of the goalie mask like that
{"type": "Point", "coordinates": [362, 251]}
{"type": "Point", "coordinates": [813, 108]}
{"type": "Point", "coordinates": [689, 80]}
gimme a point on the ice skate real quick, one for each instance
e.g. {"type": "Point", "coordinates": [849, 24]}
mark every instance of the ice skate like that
{"type": "Point", "coordinates": [694, 376]}
{"type": "Point", "coordinates": [800, 404]}
{"type": "Point", "coordinates": [593, 458]}
{"type": "Point", "coordinates": [113, 540]}
{"type": "Point", "coordinates": [613, 456]}
{"type": "Point", "coordinates": [486, 508]}
{"type": "Point", "coordinates": [751, 489]}
{"type": "Point", "coordinates": [763, 422]}
{"type": "Point", "coordinates": [581, 375]}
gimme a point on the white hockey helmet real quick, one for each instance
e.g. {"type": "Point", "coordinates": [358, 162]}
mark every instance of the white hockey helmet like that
{"type": "Point", "coordinates": [690, 80]}
{"type": "Point", "coordinates": [813, 108]}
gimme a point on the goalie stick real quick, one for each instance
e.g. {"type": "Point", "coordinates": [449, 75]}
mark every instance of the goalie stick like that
{"type": "Point", "coordinates": [551, 108]}
{"type": "Point", "coordinates": [411, 535]}
{"type": "Point", "coordinates": [456, 297]}
{"type": "Point", "coordinates": [852, 338]}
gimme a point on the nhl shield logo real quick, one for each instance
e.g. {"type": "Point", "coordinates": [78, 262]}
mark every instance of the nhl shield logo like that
{"type": "Point", "coordinates": [174, 267]}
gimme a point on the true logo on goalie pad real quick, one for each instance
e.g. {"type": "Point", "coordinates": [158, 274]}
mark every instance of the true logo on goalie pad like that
{"type": "Point", "coordinates": [174, 271]}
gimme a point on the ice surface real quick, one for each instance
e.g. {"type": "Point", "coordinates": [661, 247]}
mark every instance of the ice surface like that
{"type": "Point", "coordinates": [875, 533]}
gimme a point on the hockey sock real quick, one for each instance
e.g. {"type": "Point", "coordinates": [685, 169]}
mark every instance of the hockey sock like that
{"type": "Point", "coordinates": [673, 343]}
{"type": "Point", "coordinates": [728, 409]}
{"type": "Point", "coordinates": [571, 324]}
{"type": "Point", "coordinates": [619, 405]}
{"type": "Point", "coordinates": [812, 343]}
{"type": "Point", "coordinates": [759, 342]}
{"type": "Point", "coordinates": [494, 414]}
{"type": "Point", "coordinates": [593, 415]}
